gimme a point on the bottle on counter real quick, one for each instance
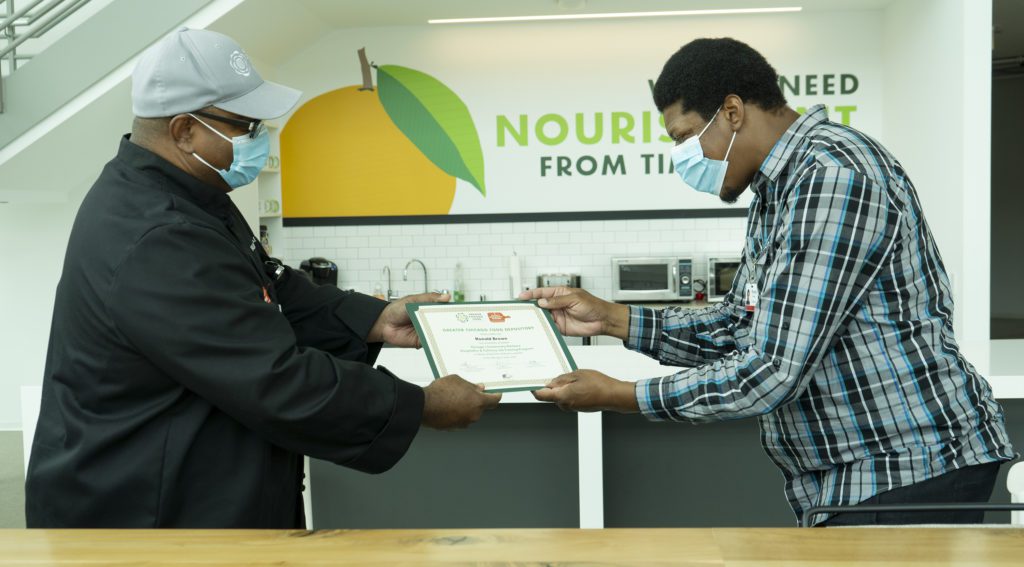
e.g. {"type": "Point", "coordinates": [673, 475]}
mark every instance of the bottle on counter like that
{"type": "Point", "coordinates": [378, 291]}
{"type": "Point", "coordinates": [459, 287]}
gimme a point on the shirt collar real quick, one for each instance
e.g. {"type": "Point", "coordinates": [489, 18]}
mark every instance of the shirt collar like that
{"type": "Point", "coordinates": [207, 197]}
{"type": "Point", "coordinates": [778, 157]}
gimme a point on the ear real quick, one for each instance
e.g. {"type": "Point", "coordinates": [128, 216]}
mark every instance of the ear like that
{"type": "Point", "coordinates": [180, 129]}
{"type": "Point", "coordinates": [734, 111]}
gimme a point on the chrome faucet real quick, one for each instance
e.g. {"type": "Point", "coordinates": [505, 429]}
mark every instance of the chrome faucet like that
{"type": "Point", "coordinates": [405, 273]}
{"type": "Point", "coordinates": [390, 293]}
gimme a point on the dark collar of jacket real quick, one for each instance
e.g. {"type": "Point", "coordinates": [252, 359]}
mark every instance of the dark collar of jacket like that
{"type": "Point", "coordinates": [171, 178]}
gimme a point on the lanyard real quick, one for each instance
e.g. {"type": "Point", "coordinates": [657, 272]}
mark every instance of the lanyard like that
{"type": "Point", "coordinates": [751, 290]}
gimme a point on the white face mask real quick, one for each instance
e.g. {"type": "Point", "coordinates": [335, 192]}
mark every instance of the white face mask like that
{"type": "Point", "coordinates": [701, 173]}
{"type": "Point", "coordinates": [249, 157]}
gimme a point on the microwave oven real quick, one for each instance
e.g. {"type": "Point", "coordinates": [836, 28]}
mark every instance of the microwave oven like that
{"type": "Point", "coordinates": [652, 279]}
{"type": "Point", "coordinates": [721, 273]}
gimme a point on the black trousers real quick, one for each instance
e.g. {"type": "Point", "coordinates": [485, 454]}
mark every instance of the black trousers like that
{"type": "Point", "coordinates": [967, 485]}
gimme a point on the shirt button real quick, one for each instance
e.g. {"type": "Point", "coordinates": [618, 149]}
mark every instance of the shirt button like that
{"type": "Point", "coordinates": [776, 363]}
{"type": "Point", "coordinates": [785, 326]}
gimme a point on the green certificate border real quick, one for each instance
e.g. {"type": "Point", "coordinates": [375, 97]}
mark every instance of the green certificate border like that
{"type": "Point", "coordinates": [413, 310]}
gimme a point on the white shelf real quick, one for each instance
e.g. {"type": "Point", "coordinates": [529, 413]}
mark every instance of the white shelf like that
{"type": "Point", "coordinates": [270, 189]}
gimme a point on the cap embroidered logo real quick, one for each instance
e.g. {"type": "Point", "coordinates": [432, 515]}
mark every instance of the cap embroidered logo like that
{"type": "Point", "coordinates": [240, 63]}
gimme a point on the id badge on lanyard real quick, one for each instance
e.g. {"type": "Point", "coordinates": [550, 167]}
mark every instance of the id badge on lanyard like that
{"type": "Point", "coordinates": [750, 297]}
{"type": "Point", "coordinates": [750, 292]}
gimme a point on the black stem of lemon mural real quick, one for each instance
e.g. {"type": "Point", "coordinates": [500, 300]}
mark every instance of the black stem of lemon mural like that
{"type": "Point", "coordinates": [364, 65]}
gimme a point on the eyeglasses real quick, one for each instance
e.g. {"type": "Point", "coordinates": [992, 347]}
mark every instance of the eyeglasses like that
{"type": "Point", "coordinates": [254, 128]}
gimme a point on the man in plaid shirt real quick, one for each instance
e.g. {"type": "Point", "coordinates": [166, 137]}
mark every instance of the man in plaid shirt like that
{"type": "Point", "coordinates": [837, 333]}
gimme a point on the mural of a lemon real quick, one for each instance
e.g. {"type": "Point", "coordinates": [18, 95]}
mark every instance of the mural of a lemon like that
{"type": "Point", "coordinates": [391, 151]}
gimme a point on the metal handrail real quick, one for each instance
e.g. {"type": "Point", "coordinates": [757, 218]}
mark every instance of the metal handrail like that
{"type": "Point", "coordinates": [31, 19]}
{"type": "Point", "coordinates": [936, 507]}
{"type": "Point", "coordinates": [37, 21]}
{"type": "Point", "coordinates": [58, 18]}
{"type": "Point", "coordinates": [10, 20]}
{"type": "Point", "coordinates": [36, 29]}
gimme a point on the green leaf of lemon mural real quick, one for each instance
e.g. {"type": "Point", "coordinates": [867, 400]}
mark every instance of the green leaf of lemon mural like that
{"type": "Point", "coordinates": [435, 120]}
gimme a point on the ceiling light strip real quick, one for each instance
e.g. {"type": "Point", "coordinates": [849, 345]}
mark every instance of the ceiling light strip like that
{"type": "Point", "coordinates": [721, 12]}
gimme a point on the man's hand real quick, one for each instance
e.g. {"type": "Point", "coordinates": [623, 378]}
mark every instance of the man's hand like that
{"type": "Point", "coordinates": [589, 390]}
{"type": "Point", "coordinates": [394, 326]}
{"type": "Point", "coordinates": [453, 403]}
{"type": "Point", "coordinates": [579, 314]}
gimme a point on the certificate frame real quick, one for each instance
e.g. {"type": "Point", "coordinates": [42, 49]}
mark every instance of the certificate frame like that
{"type": "Point", "coordinates": [427, 338]}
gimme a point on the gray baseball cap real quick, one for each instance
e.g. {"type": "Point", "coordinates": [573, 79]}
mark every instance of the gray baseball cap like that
{"type": "Point", "coordinates": [192, 69]}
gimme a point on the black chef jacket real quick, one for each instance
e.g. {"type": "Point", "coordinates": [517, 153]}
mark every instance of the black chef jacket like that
{"type": "Point", "coordinates": [182, 385]}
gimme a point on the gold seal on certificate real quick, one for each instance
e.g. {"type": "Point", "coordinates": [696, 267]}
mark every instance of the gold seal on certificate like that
{"type": "Point", "coordinates": [506, 346]}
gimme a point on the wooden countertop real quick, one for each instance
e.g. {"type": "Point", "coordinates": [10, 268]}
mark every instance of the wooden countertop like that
{"type": "Point", "coordinates": [976, 547]}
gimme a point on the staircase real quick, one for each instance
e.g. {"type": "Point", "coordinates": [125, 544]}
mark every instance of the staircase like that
{"type": "Point", "coordinates": [63, 75]}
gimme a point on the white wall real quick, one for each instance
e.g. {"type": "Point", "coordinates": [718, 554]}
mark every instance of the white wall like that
{"type": "Point", "coordinates": [937, 89]}
{"type": "Point", "coordinates": [935, 120]}
{"type": "Point", "coordinates": [34, 237]}
{"type": "Point", "coordinates": [563, 68]}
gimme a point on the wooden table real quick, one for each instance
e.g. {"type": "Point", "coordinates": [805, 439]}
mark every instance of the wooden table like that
{"type": "Point", "coordinates": [973, 547]}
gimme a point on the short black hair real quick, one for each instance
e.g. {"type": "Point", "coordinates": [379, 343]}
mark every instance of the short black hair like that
{"type": "Point", "coordinates": [703, 72]}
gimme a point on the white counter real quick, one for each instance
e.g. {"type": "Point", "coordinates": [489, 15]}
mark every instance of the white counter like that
{"type": "Point", "coordinates": [1001, 362]}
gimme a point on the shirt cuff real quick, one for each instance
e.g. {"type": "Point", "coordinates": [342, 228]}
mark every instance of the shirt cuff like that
{"type": "Point", "coordinates": [645, 325]}
{"type": "Point", "coordinates": [393, 441]}
{"type": "Point", "coordinates": [647, 391]}
{"type": "Point", "coordinates": [360, 312]}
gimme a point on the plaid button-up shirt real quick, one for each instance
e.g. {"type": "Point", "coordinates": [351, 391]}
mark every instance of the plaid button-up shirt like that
{"type": "Point", "coordinates": [848, 359]}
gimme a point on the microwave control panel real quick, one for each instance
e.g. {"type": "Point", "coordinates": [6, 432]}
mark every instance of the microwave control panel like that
{"type": "Point", "coordinates": [685, 279]}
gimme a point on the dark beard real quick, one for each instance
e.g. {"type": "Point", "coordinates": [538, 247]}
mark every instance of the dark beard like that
{"type": "Point", "coordinates": [730, 196]}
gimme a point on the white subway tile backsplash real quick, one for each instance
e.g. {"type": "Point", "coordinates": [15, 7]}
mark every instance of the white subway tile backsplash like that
{"type": "Point", "coordinates": [445, 240]}
{"type": "Point", "coordinates": [569, 226]}
{"type": "Point", "coordinates": [502, 250]}
{"type": "Point", "coordinates": [625, 236]}
{"type": "Point", "coordinates": [414, 252]}
{"type": "Point", "coordinates": [584, 247]}
{"type": "Point", "coordinates": [581, 237]}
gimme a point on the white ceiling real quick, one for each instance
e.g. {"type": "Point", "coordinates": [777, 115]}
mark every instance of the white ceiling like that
{"type": "Point", "coordinates": [285, 28]}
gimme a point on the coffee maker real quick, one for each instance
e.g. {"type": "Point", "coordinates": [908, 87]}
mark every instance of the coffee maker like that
{"type": "Point", "coordinates": [320, 270]}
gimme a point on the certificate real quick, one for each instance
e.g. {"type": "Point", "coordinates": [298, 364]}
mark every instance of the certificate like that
{"type": "Point", "coordinates": [506, 346]}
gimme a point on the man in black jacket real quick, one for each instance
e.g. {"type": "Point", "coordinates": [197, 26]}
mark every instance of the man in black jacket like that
{"type": "Point", "coordinates": [187, 372]}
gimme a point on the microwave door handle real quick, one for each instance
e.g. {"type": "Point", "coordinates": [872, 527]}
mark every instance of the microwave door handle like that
{"type": "Point", "coordinates": [675, 279]}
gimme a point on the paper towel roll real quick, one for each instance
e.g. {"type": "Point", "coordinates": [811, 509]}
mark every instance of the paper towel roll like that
{"type": "Point", "coordinates": [515, 276]}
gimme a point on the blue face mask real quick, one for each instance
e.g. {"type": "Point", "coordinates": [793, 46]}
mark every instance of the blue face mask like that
{"type": "Point", "coordinates": [697, 171]}
{"type": "Point", "coordinates": [250, 155]}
